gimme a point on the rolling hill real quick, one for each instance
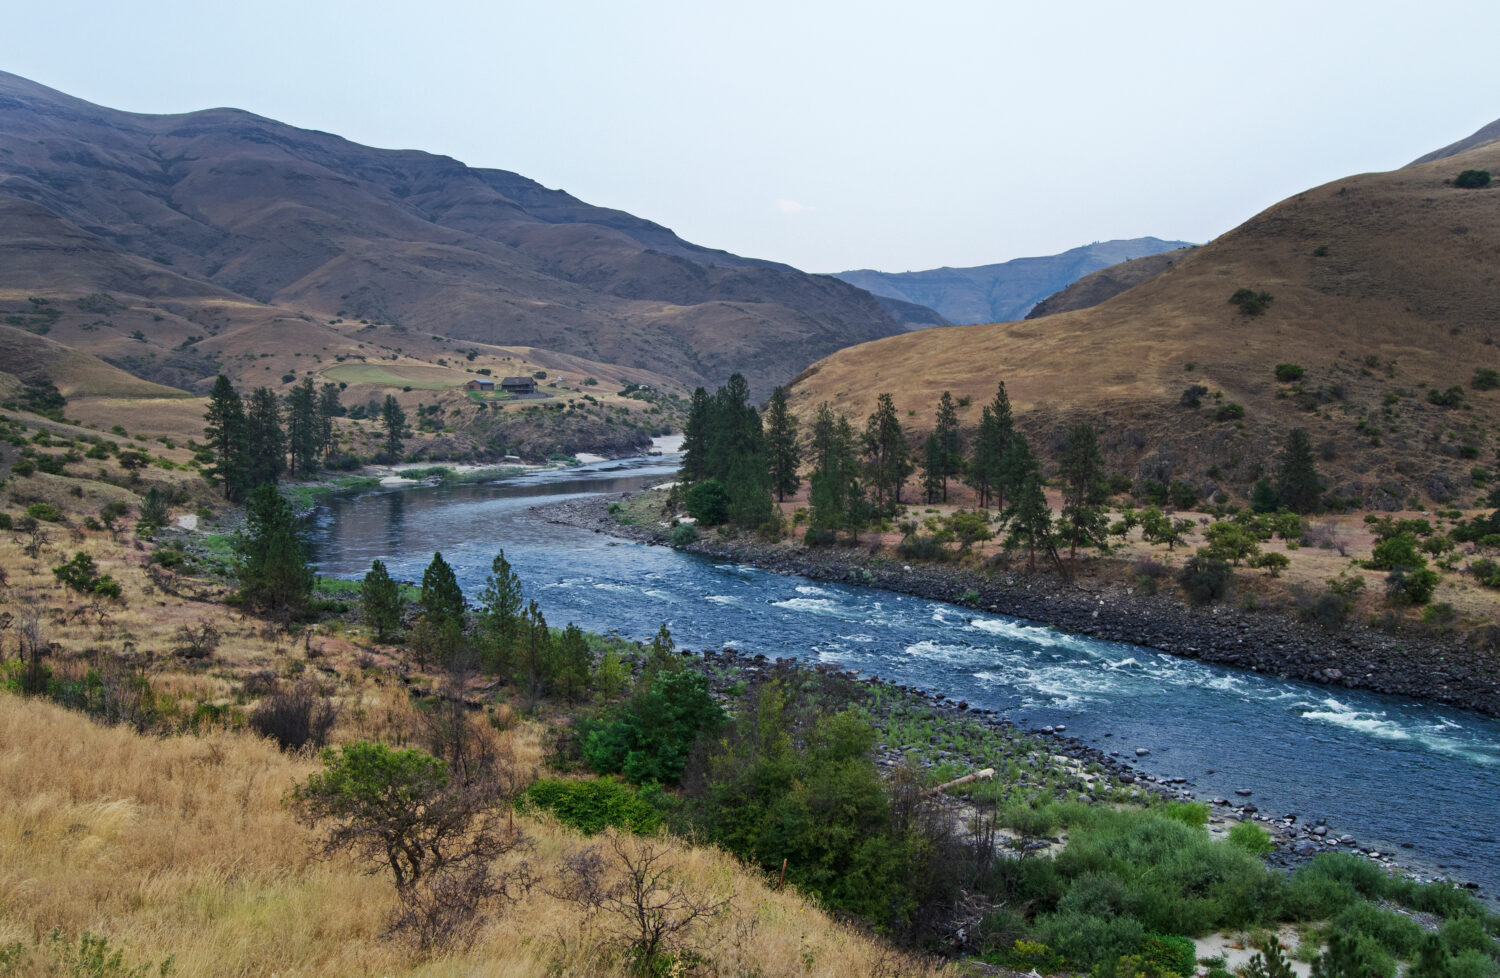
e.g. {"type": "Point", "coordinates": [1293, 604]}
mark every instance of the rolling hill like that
{"type": "Point", "coordinates": [1383, 290]}
{"type": "Point", "coordinates": [1107, 283]}
{"type": "Point", "coordinates": [1008, 290]}
{"type": "Point", "coordinates": [224, 219]}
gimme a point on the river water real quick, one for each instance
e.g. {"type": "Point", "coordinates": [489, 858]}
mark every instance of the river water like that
{"type": "Point", "coordinates": [1386, 770]}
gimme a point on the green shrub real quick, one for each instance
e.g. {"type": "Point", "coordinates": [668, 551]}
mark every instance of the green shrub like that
{"type": "Point", "coordinates": [1396, 933]}
{"type": "Point", "coordinates": [1229, 411]}
{"type": "Point", "coordinates": [1411, 585]}
{"type": "Point", "coordinates": [649, 738]}
{"type": "Point", "coordinates": [1449, 398]}
{"type": "Point", "coordinates": [1251, 838]}
{"type": "Point", "coordinates": [1288, 372]}
{"type": "Point", "coordinates": [1205, 579]}
{"type": "Point", "coordinates": [1472, 179]}
{"type": "Point", "coordinates": [46, 512]}
{"type": "Point", "coordinates": [23, 467]}
{"type": "Point", "coordinates": [1164, 954]}
{"type": "Point", "coordinates": [1250, 302]}
{"type": "Point", "coordinates": [593, 806]}
{"type": "Point", "coordinates": [1485, 379]}
{"type": "Point", "coordinates": [684, 534]}
{"type": "Point", "coordinates": [708, 503]}
{"type": "Point", "coordinates": [1190, 813]}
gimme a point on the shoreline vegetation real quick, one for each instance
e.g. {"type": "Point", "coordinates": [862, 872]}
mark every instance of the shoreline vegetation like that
{"type": "Point", "coordinates": [1270, 638]}
{"type": "Point", "coordinates": [164, 799]}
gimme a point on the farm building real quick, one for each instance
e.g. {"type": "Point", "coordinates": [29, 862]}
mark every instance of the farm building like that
{"type": "Point", "coordinates": [518, 385]}
{"type": "Point", "coordinates": [480, 384]}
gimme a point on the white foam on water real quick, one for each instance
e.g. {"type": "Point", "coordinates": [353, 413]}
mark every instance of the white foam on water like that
{"type": "Point", "coordinates": [720, 598]}
{"type": "Point", "coordinates": [862, 639]}
{"type": "Point", "coordinates": [658, 594]}
{"type": "Point", "coordinates": [1379, 725]}
{"type": "Point", "coordinates": [941, 652]}
{"type": "Point", "coordinates": [1001, 628]}
{"type": "Point", "coordinates": [808, 589]}
{"type": "Point", "coordinates": [816, 606]}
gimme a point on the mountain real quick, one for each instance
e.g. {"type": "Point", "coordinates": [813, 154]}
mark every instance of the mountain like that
{"type": "Point", "coordinates": [1485, 134]}
{"type": "Point", "coordinates": [1107, 283]}
{"type": "Point", "coordinates": [257, 220]}
{"type": "Point", "coordinates": [1008, 290]}
{"type": "Point", "coordinates": [1382, 290]}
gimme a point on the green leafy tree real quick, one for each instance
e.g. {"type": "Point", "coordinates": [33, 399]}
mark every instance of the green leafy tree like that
{"type": "Point", "coordinates": [1298, 487]}
{"type": "Point", "coordinates": [393, 420]}
{"type": "Point", "coordinates": [274, 574]}
{"type": "Point", "coordinates": [265, 441]}
{"type": "Point", "coordinates": [227, 434]}
{"type": "Point", "coordinates": [1085, 490]}
{"type": "Point", "coordinates": [442, 600]}
{"type": "Point", "coordinates": [650, 737]}
{"type": "Point", "coordinates": [782, 450]}
{"type": "Point", "coordinates": [1230, 541]}
{"type": "Point", "coordinates": [381, 598]}
{"type": "Point", "coordinates": [81, 575]}
{"type": "Point", "coordinates": [1472, 179]}
{"type": "Point", "coordinates": [887, 458]}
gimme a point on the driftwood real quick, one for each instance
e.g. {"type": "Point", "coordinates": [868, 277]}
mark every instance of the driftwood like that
{"type": "Point", "coordinates": [984, 775]}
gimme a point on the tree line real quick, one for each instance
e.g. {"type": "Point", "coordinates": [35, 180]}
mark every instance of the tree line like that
{"type": "Point", "coordinates": [255, 440]}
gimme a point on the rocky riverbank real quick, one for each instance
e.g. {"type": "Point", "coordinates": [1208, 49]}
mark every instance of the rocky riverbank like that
{"type": "Point", "coordinates": [1355, 656]}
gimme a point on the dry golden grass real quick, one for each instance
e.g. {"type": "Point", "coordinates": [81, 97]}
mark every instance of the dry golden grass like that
{"type": "Point", "coordinates": [1406, 284]}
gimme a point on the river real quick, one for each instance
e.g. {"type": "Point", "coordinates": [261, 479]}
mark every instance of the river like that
{"type": "Point", "coordinates": [1394, 773]}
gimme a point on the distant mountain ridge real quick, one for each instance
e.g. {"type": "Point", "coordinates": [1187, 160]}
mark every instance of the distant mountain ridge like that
{"type": "Point", "coordinates": [1004, 291]}
{"type": "Point", "coordinates": [1107, 283]}
{"type": "Point", "coordinates": [254, 213]}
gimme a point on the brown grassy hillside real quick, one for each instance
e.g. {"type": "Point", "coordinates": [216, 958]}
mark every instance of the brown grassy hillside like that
{"type": "Point", "coordinates": [1384, 288]}
{"type": "Point", "coordinates": [225, 205]}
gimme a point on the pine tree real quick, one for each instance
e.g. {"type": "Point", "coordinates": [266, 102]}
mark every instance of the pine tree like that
{"type": "Point", "coordinates": [273, 571]}
{"type": "Point", "coordinates": [987, 469]}
{"type": "Point", "coordinates": [265, 444]}
{"type": "Point", "coordinates": [442, 600]}
{"type": "Point", "coordinates": [328, 409]}
{"type": "Point", "coordinates": [695, 437]}
{"type": "Point", "coordinates": [226, 435]}
{"type": "Point", "coordinates": [501, 605]}
{"type": "Point", "coordinates": [887, 459]}
{"type": "Point", "coordinates": [572, 663]}
{"type": "Point", "coordinates": [782, 451]}
{"type": "Point", "coordinates": [1029, 519]}
{"type": "Point", "coordinates": [949, 448]}
{"type": "Point", "coordinates": [834, 493]}
{"type": "Point", "coordinates": [393, 420]}
{"type": "Point", "coordinates": [535, 654]}
{"type": "Point", "coordinates": [381, 597]}
{"type": "Point", "coordinates": [1085, 490]}
{"type": "Point", "coordinates": [303, 429]}
{"type": "Point", "coordinates": [737, 455]}
{"type": "Point", "coordinates": [1298, 487]}
{"type": "Point", "coordinates": [934, 467]}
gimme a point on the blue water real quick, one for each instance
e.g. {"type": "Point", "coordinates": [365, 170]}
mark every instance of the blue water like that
{"type": "Point", "coordinates": [1384, 769]}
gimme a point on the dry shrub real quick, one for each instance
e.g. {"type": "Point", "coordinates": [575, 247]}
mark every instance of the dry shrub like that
{"type": "Point", "coordinates": [295, 715]}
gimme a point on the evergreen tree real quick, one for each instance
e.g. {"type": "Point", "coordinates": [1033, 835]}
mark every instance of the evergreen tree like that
{"type": "Point", "coordinates": [265, 443]}
{"type": "Point", "coordinates": [934, 467]}
{"type": "Point", "coordinates": [273, 571]}
{"type": "Point", "coordinates": [1085, 490]}
{"type": "Point", "coordinates": [303, 431]}
{"type": "Point", "coordinates": [572, 664]}
{"type": "Point", "coordinates": [782, 451]}
{"type": "Point", "coordinates": [737, 455]}
{"type": "Point", "coordinates": [1297, 484]}
{"type": "Point", "coordinates": [887, 459]}
{"type": "Point", "coordinates": [442, 600]}
{"type": "Point", "coordinates": [834, 493]}
{"type": "Point", "coordinates": [381, 597]}
{"type": "Point", "coordinates": [226, 435]}
{"type": "Point", "coordinates": [987, 469]}
{"type": "Point", "coordinates": [695, 437]}
{"type": "Point", "coordinates": [328, 409]}
{"type": "Point", "coordinates": [949, 448]}
{"type": "Point", "coordinates": [535, 654]}
{"type": "Point", "coordinates": [500, 609]}
{"type": "Point", "coordinates": [1029, 519]}
{"type": "Point", "coordinates": [393, 420]}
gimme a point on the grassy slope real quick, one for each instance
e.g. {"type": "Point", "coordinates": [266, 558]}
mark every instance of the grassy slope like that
{"type": "Point", "coordinates": [1403, 298]}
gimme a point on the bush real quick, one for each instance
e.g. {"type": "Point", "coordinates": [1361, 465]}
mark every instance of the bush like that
{"type": "Point", "coordinates": [46, 512]}
{"type": "Point", "coordinates": [593, 806]}
{"type": "Point", "coordinates": [1450, 398]}
{"type": "Point", "coordinates": [1229, 411]}
{"type": "Point", "coordinates": [1485, 379]}
{"type": "Point", "coordinates": [649, 738]}
{"type": "Point", "coordinates": [1192, 396]}
{"type": "Point", "coordinates": [1472, 179]}
{"type": "Point", "coordinates": [294, 716]}
{"type": "Point", "coordinates": [1411, 585]}
{"type": "Point", "coordinates": [818, 536]}
{"type": "Point", "coordinates": [684, 534]}
{"type": "Point", "coordinates": [1288, 372]}
{"type": "Point", "coordinates": [708, 503]}
{"type": "Point", "coordinates": [1205, 579]}
{"type": "Point", "coordinates": [1251, 838]}
{"type": "Point", "coordinates": [1251, 303]}
{"type": "Point", "coordinates": [1190, 813]}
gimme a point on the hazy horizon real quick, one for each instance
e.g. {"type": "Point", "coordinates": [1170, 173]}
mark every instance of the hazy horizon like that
{"type": "Point", "coordinates": [831, 138]}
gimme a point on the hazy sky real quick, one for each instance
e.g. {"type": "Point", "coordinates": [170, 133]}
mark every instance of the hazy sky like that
{"type": "Point", "coordinates": [829, 135]}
